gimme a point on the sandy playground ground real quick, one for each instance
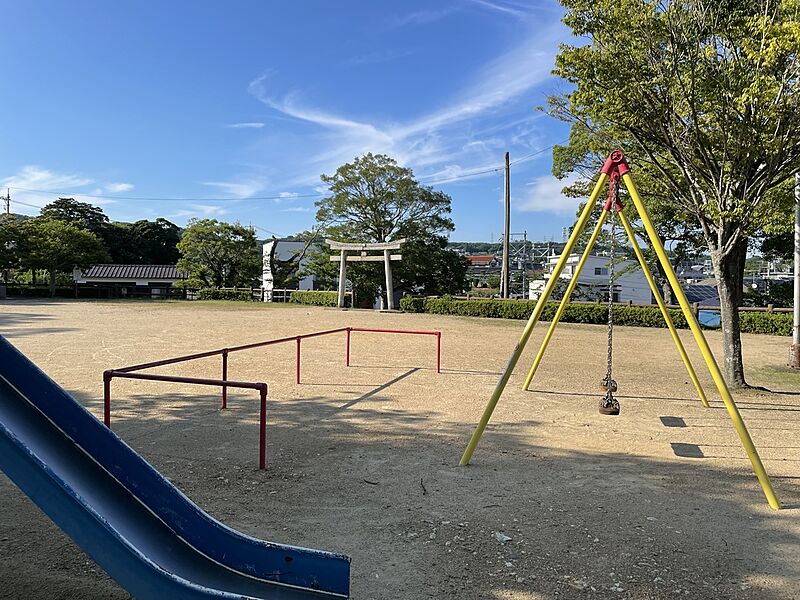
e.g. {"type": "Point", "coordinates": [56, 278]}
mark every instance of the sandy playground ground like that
{"type": "Point", "coordinates": [659, 502]}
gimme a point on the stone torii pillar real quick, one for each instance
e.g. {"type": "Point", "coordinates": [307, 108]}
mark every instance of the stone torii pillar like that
{"type": "Point", "coordinates": [362, 256]}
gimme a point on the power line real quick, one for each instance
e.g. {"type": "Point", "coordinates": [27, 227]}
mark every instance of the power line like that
{"type": "Point", "coordinates": [440, 178]}
{"type": "Point", "coordinates": [163, 199]}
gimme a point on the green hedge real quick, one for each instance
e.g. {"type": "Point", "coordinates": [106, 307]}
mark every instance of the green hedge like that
{"type": "Point", "coordinates": [635, 316]}
{"type": "Point", "coordinates": [764, 322]}
{"type": "Point", "coordinates": [316, 298]}
{"type": "Point", "coordinates": [214, 294]}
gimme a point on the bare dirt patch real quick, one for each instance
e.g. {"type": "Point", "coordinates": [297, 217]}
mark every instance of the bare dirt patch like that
{"type": "Point", "coordinates": [559, 502]}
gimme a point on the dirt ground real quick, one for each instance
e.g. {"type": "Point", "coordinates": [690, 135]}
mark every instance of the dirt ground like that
{"type": "Point", "coordinates": [659, 502]}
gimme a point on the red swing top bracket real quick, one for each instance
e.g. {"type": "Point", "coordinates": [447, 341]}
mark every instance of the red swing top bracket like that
{"type": "Point", "coordinates": [615, 167]}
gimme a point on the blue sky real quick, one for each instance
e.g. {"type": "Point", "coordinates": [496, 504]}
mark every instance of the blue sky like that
{"type": "Point", "coordinates": [238, 107]}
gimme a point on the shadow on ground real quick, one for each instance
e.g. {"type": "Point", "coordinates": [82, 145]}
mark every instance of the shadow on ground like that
{"type": "Point", "coordinates": [366, 477]}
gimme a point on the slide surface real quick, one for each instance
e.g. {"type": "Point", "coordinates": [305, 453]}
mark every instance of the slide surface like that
{"type": "Point", "coordinates": [130, 519]}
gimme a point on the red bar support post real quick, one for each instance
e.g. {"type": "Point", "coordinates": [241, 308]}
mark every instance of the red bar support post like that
{"type": "Point", "coordinates": [438, 351]}
{"type": "Point", "coordinates": [262, 434]}
{"type": "Point", "coordinates": [347, 349]}
{"type": "Point", "coordinates": [225, 378]}
{"type": "Point", "coordinates": [297, 361]}
{"type": "Point", "coordinates": [107, 398]}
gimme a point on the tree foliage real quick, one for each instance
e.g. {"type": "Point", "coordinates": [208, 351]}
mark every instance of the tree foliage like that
{"type": "Point", "coordinates": [373, 199]}
{"type": "Point", "coordinates": [219, 254]}
{"type": "Point", "coordinates": [704, 96]}
{"type": "Point", "coordinates": [56, 246]}
{"type": "Point", "coordinates": [81, 214]}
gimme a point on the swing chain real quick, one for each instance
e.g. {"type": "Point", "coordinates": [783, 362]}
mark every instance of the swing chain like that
{"type": "Point", "coordinates": [609, 405]}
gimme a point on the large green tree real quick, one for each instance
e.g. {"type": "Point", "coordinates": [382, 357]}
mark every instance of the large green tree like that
{"type": "Point", "coordinates": [373, 199]}
{"type": "Point", "coordinates": [56, 246]}
{"type": "Point", "coordinates": [704, 97]}
{"type": "Point", "coordinates": [11, 245]}
{"type": "Point", "coordinates": [219, 254]}
{"type": "Point", "coordinates": [81, 214]}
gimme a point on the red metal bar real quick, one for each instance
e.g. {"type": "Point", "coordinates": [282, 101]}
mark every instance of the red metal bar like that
{"type": "Point", "coordinates": [438, 351]}
{"type": "Point", "coordinates": [225, 378]}
{"type": "Point", "coordinates": [168, 361]}
{"type": "Point", "coordinates": [199, 381]}
{"type": "Point", "coordinates": [261, 387]}
{"type": "Point", "coordinates": [297, 361]}
{"type": "Point", "coordinates": [107, 399]}
{"type": "Point", "coordinates": [262, 432]}
{"type": "Point", "coordinates": [284, 340]}
{"type": "Point", "coordinates": [438, 335]}
{"type": "Point", "coordinates": [394, 331]}
{"type": "Point", "coordinates": [347, 349]}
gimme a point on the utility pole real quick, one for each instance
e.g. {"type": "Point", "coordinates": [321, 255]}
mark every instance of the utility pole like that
{"type": "Point", "coordinates": [7, 200]}
{"type": "Point", "coordinates": [504, 273]}
{"type": "Point", "coordinates": [794, 360]}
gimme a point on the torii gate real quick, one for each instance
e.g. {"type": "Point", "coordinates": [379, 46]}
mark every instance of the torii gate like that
{"type": "Point", "coordinates": [387, 257]}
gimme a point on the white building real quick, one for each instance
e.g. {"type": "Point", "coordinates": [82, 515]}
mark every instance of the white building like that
{"type": "Point", "coordinates": [630, 283]}
{"type": "Point", "coordinates": [284, 251]}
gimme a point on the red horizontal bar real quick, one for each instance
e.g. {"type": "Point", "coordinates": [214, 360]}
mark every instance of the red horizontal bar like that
{"type": "Point", "coordinates": [284, 340]}
{"type": "Point", "coordinates": [395, 331]}
{"type": "Point", "coordinates": [170, 361]}
{"type": "Point", "coordinates": [198, 381]}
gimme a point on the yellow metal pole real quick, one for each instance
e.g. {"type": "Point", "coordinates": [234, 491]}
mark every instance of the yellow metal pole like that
{"type": "Point", "coordinates": [660, 301]}
{"type": "Point", "coordinates": [727, 399]}
{"type": "Point", "coordinates": [537, 312]}
{"type": "Point", "coordinates": [565, 300]}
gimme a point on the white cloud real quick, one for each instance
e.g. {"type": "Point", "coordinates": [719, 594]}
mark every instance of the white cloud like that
{"type": "Point", "coordinates": [544, 195]}
{"type": "Point", "coordinates": [200, 210]}
{"type": "Point", "coordinates": [434, 140]}
{"type": "Point", "coordinates": [116, 188]}
{"type": "Point", "coordinates": [286, 197]}
{"type": "Point", "coordinates": [244, 188]}
{"type": "Point", "coordinates": [505, 8]}
{"type": "Point", "coordinates": [246, 125]}
{"type": "Point", "coordinates": [37, 178]}
{"type": "Point", "coordinates": [32, 187]}
{"type": "Point", "coordinates": [423, 17]}
{"type": "Point", "coordinates": [295, 209]}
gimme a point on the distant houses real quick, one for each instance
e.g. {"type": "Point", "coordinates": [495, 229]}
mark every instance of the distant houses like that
{"type": "Point", "coordinates": [630, 284]}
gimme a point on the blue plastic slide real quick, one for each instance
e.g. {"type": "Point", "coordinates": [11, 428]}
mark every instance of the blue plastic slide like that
{"type": "Point", "coordinates": [148, 536]}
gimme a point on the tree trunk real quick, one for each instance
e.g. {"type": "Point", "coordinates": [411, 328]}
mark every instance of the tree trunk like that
{"type": "Point", "coordinates": [729, 272]}
{"type": "Point", "coordinates": [52, 283]}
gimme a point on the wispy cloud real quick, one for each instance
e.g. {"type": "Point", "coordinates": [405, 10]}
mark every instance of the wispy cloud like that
{"type": "Point", "coordinates": [438, 140]}
{"type": "Point", "coordinates": [32, 187]}
{"type": "Point", "coordinates": [423, 17]}
{"type": "Point", "coordinates": [117, 188]}
{"type": "Point", "coordinates": [544, 194]}
{"type": "Point", "coordinates": [501, 7]}
{"type": "Point", "coordinates": [34, 177]}
{"type": "Point", "coordinates": [246, 125]}
{"type": "Point", "coordinates": [243, 188]}
{"type": "Point", "coordinates": [301, 209]}
{"type": "Point", "coordinates": [287, 196]}
{"type": "Point", "coordinates": [200, 210]}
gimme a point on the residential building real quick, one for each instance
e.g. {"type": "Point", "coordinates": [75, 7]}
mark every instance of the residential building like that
{"type": "Point", "coordinates": [630, 283]}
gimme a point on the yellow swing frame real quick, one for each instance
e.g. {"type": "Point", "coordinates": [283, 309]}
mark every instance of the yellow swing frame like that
{"type": "Point", "coordinates": [616, 166]}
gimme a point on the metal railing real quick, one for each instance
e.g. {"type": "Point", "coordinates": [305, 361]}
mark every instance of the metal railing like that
{"type": "Point", "coordinates": [132, 371]}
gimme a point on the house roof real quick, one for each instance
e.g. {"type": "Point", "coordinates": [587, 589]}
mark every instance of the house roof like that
{"type": "Point", "coordinates": [480, 259]}
{"type": "Point", "coordinates": [705, 295]}
{"type": "Point", "coordinates": [133, 272]}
